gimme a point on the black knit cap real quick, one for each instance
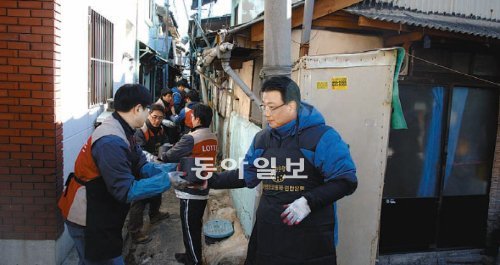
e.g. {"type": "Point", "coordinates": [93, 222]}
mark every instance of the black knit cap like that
{"type": "Point", "coordinates": [288, 89]}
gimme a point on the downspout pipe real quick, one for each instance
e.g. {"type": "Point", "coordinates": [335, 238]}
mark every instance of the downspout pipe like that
{"type": "Point", "coordinates": [224, 54]}
{"type": "Point", "coordinates": [201, 72]}
{"type": "Point", "coordinates": [277, 39]}
{"type": "Point", "coordinates": [136, 61]}
{"type": "Point", "coordinates": [207, 58]}
{"type": "Point", "coordinates": [204, 93]}
{"type": "Point", "coordinates": [306, 28]}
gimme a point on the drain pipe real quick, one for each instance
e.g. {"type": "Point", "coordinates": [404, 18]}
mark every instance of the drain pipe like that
{"type": "Point", "coordinates": [205, 60]}
{"type": "Point", "coordinates": [204, 93]}
{"type": "Point", "coordinates": [224, 54]}
{"type": "Point", "coordinates": [277, 38]}
{"type": "Point", "coordinates": [201, 70]}
{"type": "Point", "coordinates": [306, 28]}
{"type": "Point", "coordinates": [136, 61]}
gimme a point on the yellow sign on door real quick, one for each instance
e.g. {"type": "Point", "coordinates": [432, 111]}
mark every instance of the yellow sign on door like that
{"type": "Point", "coordinates": [339, 83]}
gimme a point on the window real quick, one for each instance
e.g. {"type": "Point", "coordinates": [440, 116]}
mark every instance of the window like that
{"type": "Point", "coordinates": [100, 59]}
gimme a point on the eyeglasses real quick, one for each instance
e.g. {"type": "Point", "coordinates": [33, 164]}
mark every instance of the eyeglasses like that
{"type": "Point", "coordinates": [265, 108]}
{"type": "Point", "coordinates": [154, 117]}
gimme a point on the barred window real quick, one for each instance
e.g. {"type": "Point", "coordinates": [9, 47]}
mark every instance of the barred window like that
{"type": "Point", "coordinates": [100, 59]}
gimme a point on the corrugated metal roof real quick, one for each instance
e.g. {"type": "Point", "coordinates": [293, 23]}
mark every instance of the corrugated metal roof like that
{"type": "Point", "coordinates": [458, 24]}
{"type": "Point", "coordinates": [480, 9]}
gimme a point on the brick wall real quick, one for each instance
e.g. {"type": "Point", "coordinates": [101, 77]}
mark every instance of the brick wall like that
{"type": "Point", "coordinates": [494, 207]}
{"type": "Point", "coordinates": [30, 135]}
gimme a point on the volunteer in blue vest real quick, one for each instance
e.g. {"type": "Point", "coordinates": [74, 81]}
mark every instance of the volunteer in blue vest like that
{"type": "Point", "coordinates": [110, 172]}
{"type": "Point", "coordinates": [200, 142]}
{"type": "Point", "coordinates": [296, 217]}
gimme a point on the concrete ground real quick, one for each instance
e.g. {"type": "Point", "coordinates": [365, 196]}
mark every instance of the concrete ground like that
{"type": "Point", "coordinates": [166, 239]}
{"type": "Point", "coordinates": [167, 236]}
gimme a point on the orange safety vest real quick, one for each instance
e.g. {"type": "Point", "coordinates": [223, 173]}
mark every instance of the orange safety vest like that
{"type": "Point", "coordinates": [152, 141]}
{"type": "Point", "coordinates": [187, 118]}
{"type": "Point", "coordinates": [73, 201]}
{"type": "Point", "coordinates": [205, 144]}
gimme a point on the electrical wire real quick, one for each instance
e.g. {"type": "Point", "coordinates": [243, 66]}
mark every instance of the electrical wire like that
{"type": "Point", "coordinates": [455, 71]}
{"type": "Point", "coordinates": [310, 39]}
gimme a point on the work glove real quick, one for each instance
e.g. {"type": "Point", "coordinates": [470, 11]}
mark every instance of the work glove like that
{"type": "Point", "coordinates": [296, 211]}
{"type": "Point", "coordinates": [177, 181]}
{"type": "Point", "coordinates": [163, 149]}
{"type": "Point", "coordinates": [168, 123]}
{"type": "Point", "coordinates": [150, 157]}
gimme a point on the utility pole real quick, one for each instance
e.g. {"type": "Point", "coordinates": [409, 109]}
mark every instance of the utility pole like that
{"type": "Point", "coordinates": [277, 38]}
{"type": "Point", "coordinates": [167, 43]}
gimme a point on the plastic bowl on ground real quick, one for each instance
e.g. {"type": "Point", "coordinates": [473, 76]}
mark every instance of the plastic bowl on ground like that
{"type": "Point", "coordinates": [217, 230]}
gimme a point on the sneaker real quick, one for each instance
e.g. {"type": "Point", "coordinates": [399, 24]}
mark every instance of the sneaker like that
{"type": "Point", "coordinates": [158, 217]}
{"type": "Point", "coordinates": [140, 238]}
{"type": "Point", "coordinates": [181, 257]}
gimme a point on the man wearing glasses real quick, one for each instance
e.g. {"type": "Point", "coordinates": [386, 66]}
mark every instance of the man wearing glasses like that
{"type": "Point", "coordinates": [150, 137]}
{"type": "Point", "coordinates": [308, 169]}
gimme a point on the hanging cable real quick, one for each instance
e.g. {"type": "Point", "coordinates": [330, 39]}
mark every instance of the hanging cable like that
{"type": "Point", "coordinates": [455, 71]}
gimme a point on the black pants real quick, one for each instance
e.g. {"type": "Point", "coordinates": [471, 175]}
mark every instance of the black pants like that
{"type": "Point", "coordinates": [137, 209]}
{"type": "Point", "coordinates": [191, 212]}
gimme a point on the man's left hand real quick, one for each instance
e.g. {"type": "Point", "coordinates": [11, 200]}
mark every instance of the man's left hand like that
{"type": "Point", "coordinates": [296, 211]}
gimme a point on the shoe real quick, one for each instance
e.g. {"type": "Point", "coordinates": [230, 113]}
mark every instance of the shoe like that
{"type": "Point", "coordinates": [140, 238]}
{"type": "Point", "coordinates": [158, 217]}
{"type": "Point", "coordinates": [181, 257]}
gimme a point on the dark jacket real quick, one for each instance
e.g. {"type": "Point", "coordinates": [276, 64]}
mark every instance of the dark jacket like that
{"type": "Point", "coordinates": [199, 143]}
{"type": "Point", "coordinates": [150, 139]}
{"type": "Point", "coordinates": [330, 157]}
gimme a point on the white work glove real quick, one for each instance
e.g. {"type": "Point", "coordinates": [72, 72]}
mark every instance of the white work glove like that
{"type": "Point", "coordinates": [168, 123]}
{"type": "Point", "coordinates": [150, 157]}
{"type": "Point", "coordinates": [177, 181]}
{"type": "Point", "coordinates": [296, 211]}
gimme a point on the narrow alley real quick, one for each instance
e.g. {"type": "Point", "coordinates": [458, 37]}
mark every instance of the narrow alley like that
{"type": "Point", "coordinates": [167, 237]}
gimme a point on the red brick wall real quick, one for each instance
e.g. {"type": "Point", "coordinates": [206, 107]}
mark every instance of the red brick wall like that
{"type": "Point", "coordinates": [30, 135]}
{"type": "Point", "coordinates": [494, 207]}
